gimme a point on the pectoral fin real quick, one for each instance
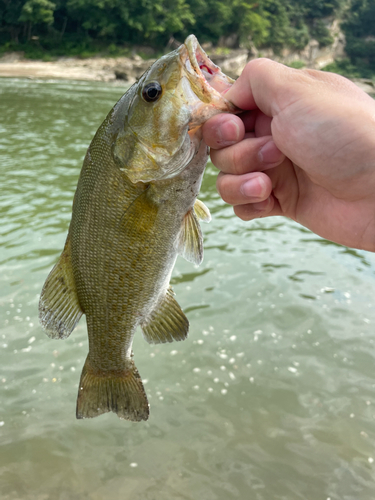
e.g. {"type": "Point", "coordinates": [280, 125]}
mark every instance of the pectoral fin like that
{"type": "Point", "coordinates": [201, 211]}
{"type": "Point", "coordinates": [59, 308]}
{"type": "Point", "coordinates": [166, 323]}
{"type": "Point", "coordinates": [190, 243]}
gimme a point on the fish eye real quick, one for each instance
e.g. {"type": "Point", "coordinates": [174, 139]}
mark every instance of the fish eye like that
{"type": "Point", "coordinates": [151, 92]}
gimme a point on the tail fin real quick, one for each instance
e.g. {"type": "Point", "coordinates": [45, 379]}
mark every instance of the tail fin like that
{"type": "Point", "coordinates": [120, 391]}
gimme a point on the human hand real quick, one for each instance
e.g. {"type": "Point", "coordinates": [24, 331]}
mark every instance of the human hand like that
{"type": "Point", "coordinates": [304, 148]}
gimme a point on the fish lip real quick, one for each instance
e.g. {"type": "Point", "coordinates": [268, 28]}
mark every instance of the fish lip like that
{"type": "Point", "coordinates": [196, 58]}
{"type": "Point", "coordinates": [195, 51]}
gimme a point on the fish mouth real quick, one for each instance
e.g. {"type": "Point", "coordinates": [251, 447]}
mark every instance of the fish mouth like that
{"type": "Point", "coordinates": [207, 82]}
{"type": "Point", "coordinates": [211, 76]}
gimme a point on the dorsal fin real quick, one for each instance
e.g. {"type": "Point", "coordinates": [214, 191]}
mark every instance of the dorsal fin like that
{"type": "Point", "coordinates": [190, 243]}
{"type": "Point", "coordinates": [201, 211]}
{"type": "Point", "coordinates": [59, 308]}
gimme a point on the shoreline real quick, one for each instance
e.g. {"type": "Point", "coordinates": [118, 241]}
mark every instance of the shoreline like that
{"type": "Point", "coordinates": [93, 69]}
{"type": "Point", "coordinates": [97, 69]}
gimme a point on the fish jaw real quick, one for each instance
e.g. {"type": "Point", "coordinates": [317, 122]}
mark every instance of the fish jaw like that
{"type": "Point", "coordinates": [155, 143]}
{"type": "Point", "coordinates": [206, 81]}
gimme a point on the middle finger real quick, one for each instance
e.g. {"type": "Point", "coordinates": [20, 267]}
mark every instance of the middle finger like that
{"type": "Point", "coordinates": [249, 155]}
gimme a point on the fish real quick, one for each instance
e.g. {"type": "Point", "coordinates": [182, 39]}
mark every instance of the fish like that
{"type": "Point", "coordinates": [134, 211]}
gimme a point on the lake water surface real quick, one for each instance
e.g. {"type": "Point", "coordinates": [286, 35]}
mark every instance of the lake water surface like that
{"type": "Point", "coordinates": [272, 396]}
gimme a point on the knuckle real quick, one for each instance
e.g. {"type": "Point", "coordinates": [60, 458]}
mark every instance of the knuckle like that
{"type": "Point", "coordinates": [236, 160]}
{"type": "Point", "coordinates": [214, 157]}
{"type": "Point", "coordinates": [223, 188]}
{"type": "Point", "coordinates": [243, 212]}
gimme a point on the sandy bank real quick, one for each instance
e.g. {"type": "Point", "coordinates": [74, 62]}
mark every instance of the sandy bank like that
{"type": "Point", "coordinates": [92, 69]}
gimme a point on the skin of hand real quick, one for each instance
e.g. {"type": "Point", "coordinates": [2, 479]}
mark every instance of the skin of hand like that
{"type": "Point", "coordinates": [304, 148]}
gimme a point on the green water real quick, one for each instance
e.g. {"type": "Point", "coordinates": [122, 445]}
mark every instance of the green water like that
{"type": "Point", "coordinates": [271, 397]}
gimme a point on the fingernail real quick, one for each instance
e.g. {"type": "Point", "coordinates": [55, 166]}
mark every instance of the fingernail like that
{"type": "Point", "coordinates": [253, 188]}
{"type": "Point", "coordinates": [228, 133]}
{"type": "Point", "coordinates": [269, 153]}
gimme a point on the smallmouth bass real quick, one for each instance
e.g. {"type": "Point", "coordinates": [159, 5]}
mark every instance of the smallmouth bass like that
{"type": "Point", "coordinates": [135, 209]}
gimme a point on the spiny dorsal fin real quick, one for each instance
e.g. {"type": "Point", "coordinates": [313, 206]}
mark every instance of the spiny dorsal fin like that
{"type": "Point", "coordinates": [59, 309]}
{"type": "Point", "coordinates": [190, 243]}
{"type": "Point", "coordinates": [201, 211]}
{"type": "Point", "coordinates": [166, 323]}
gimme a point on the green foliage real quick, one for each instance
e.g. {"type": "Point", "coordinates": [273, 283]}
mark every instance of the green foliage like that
{"type": "Point", "coordinates": [37, 11]}
{"type": "Point", "coordinates": [359, 28]}
{"type": "Point", "coordinates": [297, 64]}
{"type": "Point", "coordinates": [212, 19]}
{"type": "Point", "coordinates": [133, 20]}
{"type": "Point", "coordinates": [112, 27]}
{"type": "Point", "coordinates": [321, 33]}
{"type": "Point", "coordinates": [360, 19]}
{"type": "Point", "coordinates": [317, 9]}
{"type": "Point", "coordinates": [253, 21]}
{"type": "Point", "coordinates": [346, 68]}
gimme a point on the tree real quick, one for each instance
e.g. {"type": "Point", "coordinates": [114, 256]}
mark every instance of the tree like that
{"type": "Point", "coordinates": [37, 12]}
{"type": "Point", "coordinates": [134, 20]}
{"type": "Point", "coordinates": [359, 28]}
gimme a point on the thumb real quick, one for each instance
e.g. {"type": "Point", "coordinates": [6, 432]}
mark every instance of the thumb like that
{"type": "Point", "coordinates": [269, 86]}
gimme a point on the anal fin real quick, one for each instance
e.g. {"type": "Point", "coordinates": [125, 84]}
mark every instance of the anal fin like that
{"type": "Point", "coordinates": [166, 323]}
{"type": "Point", "coordinates": [59, 308]}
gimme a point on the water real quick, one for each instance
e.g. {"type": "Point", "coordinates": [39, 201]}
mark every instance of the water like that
{"type": "Point", "coordinates": [272, 397]}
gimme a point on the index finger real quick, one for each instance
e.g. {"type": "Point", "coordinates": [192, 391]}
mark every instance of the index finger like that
{"type": "Point", "coordinates": [223, 130]}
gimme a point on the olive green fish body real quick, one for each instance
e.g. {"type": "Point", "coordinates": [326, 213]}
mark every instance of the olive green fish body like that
{"type": "Point", "coordinates": [125, 241]}
{"type": "Point", "coordinates": [124, 247]}
{"type": "Point", "coordinates": [134, 211]}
